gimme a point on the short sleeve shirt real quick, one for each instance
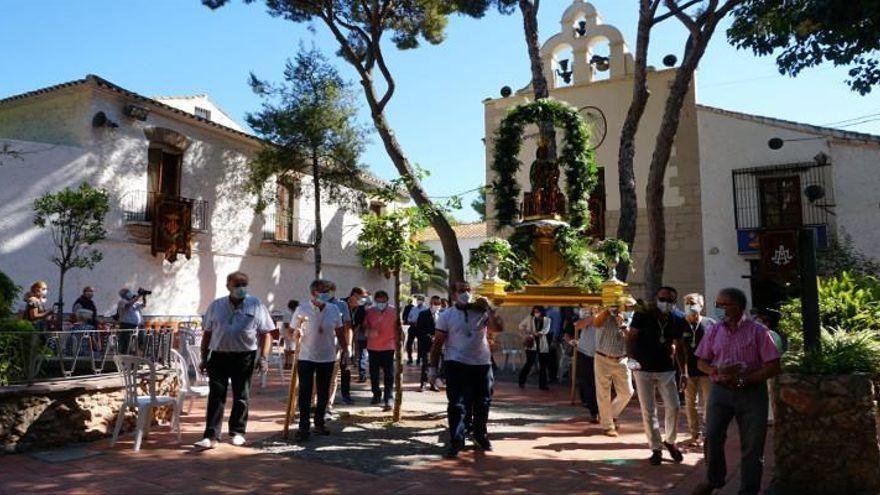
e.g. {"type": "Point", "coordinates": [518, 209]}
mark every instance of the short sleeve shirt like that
{"type": "Point", "coordinates": [344, 312]}
{"type": "Point", "coordinates": [235, 329]}
{"type": "Point", "coordinates": [749, 345]}
{"type": "Point", "coordinates": [380, 327]}
{"type": "Point", "coordinates": [466, 335]}
{"type": "Point", "coordinates": [318, 343]}
{"type": "Point", "coordinates": [130, 314]}
{"type": "Point", "coordinates": [653, 346]}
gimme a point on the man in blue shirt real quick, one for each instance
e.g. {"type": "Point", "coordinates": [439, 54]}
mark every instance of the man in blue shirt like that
{"type": "Point", "coordinates": [553, 338]}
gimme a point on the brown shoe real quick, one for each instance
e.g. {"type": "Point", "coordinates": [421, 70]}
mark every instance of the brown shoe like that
{"type": "Point", "coordinates": [611, 432]}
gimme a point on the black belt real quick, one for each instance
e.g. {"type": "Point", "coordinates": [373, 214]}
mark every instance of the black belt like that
{"type": "Point", "coordinates": [610, 357]}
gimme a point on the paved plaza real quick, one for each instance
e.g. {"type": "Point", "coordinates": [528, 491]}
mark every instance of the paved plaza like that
{"type": "Point", "coordinates": [541, 445]}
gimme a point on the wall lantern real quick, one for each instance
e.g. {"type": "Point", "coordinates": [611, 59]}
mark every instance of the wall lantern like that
{"type": "Point", "coordinates": [136, 112]}
{"type": "Point", "coordinates": [563, 71]}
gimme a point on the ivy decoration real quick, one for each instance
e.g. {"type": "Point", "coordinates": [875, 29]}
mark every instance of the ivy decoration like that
{"type": "Point", "coordinates": [512, 268]}
{"type": "Point", "coordinates": [576, 159]}
{"type": "Point", "coordinates": [614, 249]}
{"type": "Point", "coordinates": [584, 267]}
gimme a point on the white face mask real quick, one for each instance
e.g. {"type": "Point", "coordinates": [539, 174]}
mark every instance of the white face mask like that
{"type": "Point", "coordinates": [381, 306]}
{"type": "Point", "coordinates": [664, 307]}
{"type": "Point", "coordinates": [465, 298]}
{"type": "Point", "coordinates": [694, 309]}
{"type": "Point", "coordinates": [584, 313]}
{"type": "Point", "coordinates": [435, 308]}
{"type": "Point", "coordinates": [44, 292]}
{"type": "Point", "coordinates": [719, 313]}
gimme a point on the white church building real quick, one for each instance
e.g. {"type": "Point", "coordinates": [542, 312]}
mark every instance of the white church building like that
{"type": "Point", "coordinates": [139, 149]}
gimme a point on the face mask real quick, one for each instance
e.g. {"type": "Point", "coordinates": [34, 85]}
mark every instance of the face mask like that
{"type": "Point", "coordinates": [129, 295]}
{"type": "Point", "coordinates": [435, 307]}
{"type": "Point", "coordinates": [664, 306]}
{"type": "Point", "coordinates": [381, 306]}
{"type": "Point", "coordinates": [465, 298]}
{"type": "Point", "coordinates": [584, 313]}
{"type": "Point", "coordinates": [88, 295]}
{"type": "Point", "coordinates": [362, 301]}
{"type": "Point", "coordinates": [44, 292]}
{"type": "Point", "coordinates": [694, 309]}
{"type": "Point", "coordinates": [720, 313]}
{"type": "Point", "coordinates": [239, 292]}
{"type": "Point", "coordinates": [324, 297]}
{"type": "Point", "coordinates": [628, 315]}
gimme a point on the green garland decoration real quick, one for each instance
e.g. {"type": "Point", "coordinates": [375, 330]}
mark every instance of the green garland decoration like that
{"type": "Point", "coordinates": [576, 158]}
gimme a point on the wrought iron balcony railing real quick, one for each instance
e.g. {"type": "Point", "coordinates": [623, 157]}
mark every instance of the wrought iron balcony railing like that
{"type": "Point", "coordinates": [139, 207]}
{"type": "Point", "coordinates": [281, 227]}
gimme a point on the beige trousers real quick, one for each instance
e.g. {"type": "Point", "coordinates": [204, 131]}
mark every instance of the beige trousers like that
{"type": "Point", "coordinates": [696, 392]}
{"type": "Point", "coordinates": [612, 372]}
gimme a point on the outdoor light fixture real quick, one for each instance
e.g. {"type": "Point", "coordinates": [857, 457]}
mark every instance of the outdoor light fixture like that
{"type": "Point", "coordinates": [776, 143]}
{"type": "Point", "coordinates": [100, 120]}
{"type": "Point", "coordinates": [600, 63]}
{"type": "Point", "coordinates": [136, 112]}
{"type": "Point", "coordinates": [670, 60]}
{"type": "Point", "coordinates": [506, 91]}
{"type": "Point", "coordinates": [581, 29]}
{"type": "Point", "coordinates": [563, 71]}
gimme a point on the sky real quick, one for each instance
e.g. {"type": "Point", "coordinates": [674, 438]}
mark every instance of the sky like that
{"type": "Point", "coordinates": [179, 47]}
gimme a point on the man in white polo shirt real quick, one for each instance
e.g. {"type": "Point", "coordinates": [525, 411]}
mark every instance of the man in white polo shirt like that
{"type": "Point", "coordinates": [323, 334]}
{"type": "Point", "coordinates": [229, 353]}
{"type": "Point", "coordinates": [464, 329]}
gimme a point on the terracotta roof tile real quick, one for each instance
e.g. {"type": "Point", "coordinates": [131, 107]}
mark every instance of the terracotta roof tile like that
{"type": "Point", "coordinates": [462, 231]}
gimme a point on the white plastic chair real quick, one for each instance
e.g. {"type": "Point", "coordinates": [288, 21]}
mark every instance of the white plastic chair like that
{"type": "Point", "coordinates": [194, 354]}
{"type": "Point", "coordinates": [187, 390]}
{"type": "Point", "coordinates": [511, 350]}
{"type": "Point", "coordinates": [130, 367]}
{"type": "Point", "coordinates": [276, 358]}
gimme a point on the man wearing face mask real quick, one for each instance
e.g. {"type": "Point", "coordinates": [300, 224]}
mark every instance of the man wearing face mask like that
{"type": "Point", "coordinates": [654, 341]}
{"type": "Point", "coordinates": [381, 326]}
{"type": "Point", "coordinates": [585, 346]}
{"type": "Point", "coordinates": [696, 383]}
{"type": "Point", "coordinates": [357, 306]}
{"type": "Point", "coordinates": [322, 332]}
{"type": "Point", "coordinates": [425, 325]}
{"type": "Point", "coordinates": [411, 319]}
{"type": "Point", "coordinates": [233, 326]}
{"type": "Point", "coordinates": [464, 329]}
{"type": "Point", "coordinates": [344, 362]}
{"type": "Point", "coordinates": [129, 314]}
{"type": "Point", "coordinates": [739, 356]}
{"type": "Point", "coordinates": [86, 302]}
{"type": "Point", "coordinates": [610, 365]}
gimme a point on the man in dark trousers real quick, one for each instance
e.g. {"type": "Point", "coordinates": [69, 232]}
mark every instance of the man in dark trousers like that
{"type": "Point", "coordinates": [424, 332]}
{"type": "Point", "coordinates": [464, 330]}
{"type": "Point", "coordinates": [357, 305]}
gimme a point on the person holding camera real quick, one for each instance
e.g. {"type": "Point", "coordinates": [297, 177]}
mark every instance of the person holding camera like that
{"type": "Point", "coordinates": [129, 314]}
{"type": "Point", "coordinates": [464, 330]}
{"type": "Point", "coordinates": [231, 328]}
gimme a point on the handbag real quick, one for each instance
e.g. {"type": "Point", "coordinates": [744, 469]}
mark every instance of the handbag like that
{"type": "Point", "coordinates": [529, 341]}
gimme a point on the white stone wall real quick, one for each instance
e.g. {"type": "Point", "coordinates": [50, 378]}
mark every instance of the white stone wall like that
{"type": "Point", "coordinates": [213, 170]}
{"type": "Point", "coordinates": [857, 192]}
{"type": "Point", "coordinates": [465, 244]}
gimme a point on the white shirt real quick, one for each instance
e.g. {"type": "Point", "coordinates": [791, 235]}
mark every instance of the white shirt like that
{"type": "Point", "coordinates": [318, 342]}
{"type": "Point", "coordinates": [130, 312]}
{"type": "Point", "coordinates": [413, 315]}
{"type": "Point", "coordinates": [466, 336]}
{"type": "Point", "coordinates": [235, 329]}
{"type": "Point", "coordinates": [587, 341]}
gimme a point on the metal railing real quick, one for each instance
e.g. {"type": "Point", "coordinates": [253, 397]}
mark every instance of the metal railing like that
{"type": "Point", "coordinates": [78, 352]}
{"type": "Point", "coordinates": [139, 205]}
{"type": "Point", "coordinates": [283, 227]}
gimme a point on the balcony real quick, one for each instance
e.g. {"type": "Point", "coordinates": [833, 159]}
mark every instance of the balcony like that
{"type": "Point", "coordinates": [139, 205]}
{"type": "Point", "coordinates": [281, 227]}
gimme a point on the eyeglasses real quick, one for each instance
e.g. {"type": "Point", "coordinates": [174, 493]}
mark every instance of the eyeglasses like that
{"type": "Point", "coordinates": [666, 299]}
{"type": "Point", "coordinates": [240, 284]}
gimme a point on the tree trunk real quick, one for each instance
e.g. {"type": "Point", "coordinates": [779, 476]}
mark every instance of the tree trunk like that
{"type": "Point", "coordinates": [448, 239]}
{"type": "Point", "coordinates": [59, 316]}
{"type": "Point", "coordinates": [654, 266]}
{"type": "Point", "coordinates": [629, 208]}
{"type": "Point", "coordinates": [398, 352]}
{"type": "Point", "coordinates": [540, 87]}
{"type": "Point", "coordinates": [319, 231]}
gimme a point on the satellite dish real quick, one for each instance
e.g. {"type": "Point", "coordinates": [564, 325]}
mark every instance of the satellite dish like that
{"type": "Point", "coordinates": [506, 91]}
{"type": "Point", "coordinates": [670, 60]}
{"type": "Point", "coordinates": [775, 143]}
{"type": "Point", "coordinates": [814, 192]}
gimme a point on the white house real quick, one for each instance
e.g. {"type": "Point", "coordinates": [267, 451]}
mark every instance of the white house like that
{"type": "Point", "coordinates": [469, 235]}
{"type": "Point", "coordinates": [142, 149]}
{"type": "Point", "coordinates": [712, 234]}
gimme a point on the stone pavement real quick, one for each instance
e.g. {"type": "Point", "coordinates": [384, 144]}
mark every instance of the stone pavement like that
{"type": "Point", "coordinates": [542, 445]}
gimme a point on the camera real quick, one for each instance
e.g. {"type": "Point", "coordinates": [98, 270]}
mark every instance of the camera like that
{"type": "Point", "coordinates": [144, 292]}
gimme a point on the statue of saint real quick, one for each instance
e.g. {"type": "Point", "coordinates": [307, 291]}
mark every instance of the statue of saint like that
{"type": "Point", "coordinates": [545, 199]}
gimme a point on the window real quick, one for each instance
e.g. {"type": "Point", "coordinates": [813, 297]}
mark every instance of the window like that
{"type": "Point", "coordinates": [376, 208]}
{"type": "Point", "coordinates": [597, 207]}
{"type": "Point", "coordinates": [203, 113]}
{"type": "Point", "coordinates": [285, 220]}
{"type": "Point", "coordinates": [780, 200]}
{"type": "Point", "coordinates": [163, 172]}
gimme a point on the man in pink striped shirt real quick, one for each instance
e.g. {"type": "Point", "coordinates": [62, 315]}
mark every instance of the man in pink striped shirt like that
{"type": "Point", "coordinates": [739, 356]}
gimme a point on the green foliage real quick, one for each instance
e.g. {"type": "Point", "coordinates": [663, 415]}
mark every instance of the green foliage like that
{"type": "Point", "coordinates": [842, 256]}
{"type": "Point", "coordinates": [308, 120]}
{"type": "Point", "coordinates": [841, 352]}
{"type": "Point", "coordinates": [576, 159]}
{"type": "Point", "coordinates": [75, 218]}
{"type": "Point", "coordinates": [512, 268]}
{"type": "Point", "coordinates": [807, 33]}
{"type": "Point", "coordinates": [436, 276]}
{"type": "Point", "coordinates": [583, 266]}
{"type": "Point", "coordinates": [479, 204]}
{"type": "Point", "coordinates": [849, 301]}
{"type": "Point", "coordinates": [9, 292]}
{"type": "Point", "coordinates": [16, 342]}
{"type": "Point", "coordinates": [614, 249]}
{"type": "Point", "coordinates": [387, 243]}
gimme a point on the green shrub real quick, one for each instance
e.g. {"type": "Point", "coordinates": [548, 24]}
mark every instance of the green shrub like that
{"type": "Point", "coordinates": [16, 341]}
{"type": "Point", "coordinates": [8, 294]}
{"type": "Point", "coordinates": [841, 352]}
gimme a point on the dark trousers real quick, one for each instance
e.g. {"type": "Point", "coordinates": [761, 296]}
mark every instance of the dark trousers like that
{"type": "Point", "coordinates": [382, 361]}
{"type": "Point", "coordinates": [360, 357]}
{"type": "Point", "coordinates": [223, 368]}
{"type": "Point", "coordinates": [553, 363]}
{"type": "Point", "coordinates": [123, 337]}
{"type": "Point", "coordinates": [310, 372]}
{"type": "Point", "coordinates": [469, 392]}
{"type": "Point", "coordinates": [410, 339]}
{"type": "Point", "coordinates": [543, 359]}
{"type": "Point", "coordinates": [424, 349]}
{"type": "Point", "coordinates": [749, 407]}
{"type": "Point", "coordinates": [586, 382]}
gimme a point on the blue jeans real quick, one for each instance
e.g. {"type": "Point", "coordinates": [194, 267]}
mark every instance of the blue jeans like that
{"type": "Point", "coordinates": [468, 390]}
{"type": "Point", "coordinates": [749, 407]}
{"type": "Point", "coordinates": [361, 357]}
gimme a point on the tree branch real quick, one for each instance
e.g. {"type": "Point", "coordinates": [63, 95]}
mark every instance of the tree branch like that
{"type": "Point", "coordinates": [667, 15]}
{"type": "Point", "coordinates": [685, 19]}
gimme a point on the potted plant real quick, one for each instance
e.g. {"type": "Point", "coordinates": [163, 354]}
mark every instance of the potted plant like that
{"type": "Point", "coordinates": [488, 257]}
{"type": "Point", "coordinates": [614, 252]}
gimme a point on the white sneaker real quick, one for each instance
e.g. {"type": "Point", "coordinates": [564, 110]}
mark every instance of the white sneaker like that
{"type": "Point", "coordinates": [206, 443]}
{"type": "Point", "coordinates": [237, 440]}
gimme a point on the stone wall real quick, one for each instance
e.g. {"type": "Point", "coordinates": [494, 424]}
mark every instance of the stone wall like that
{"type": "Point", "coordinates": [60, 413]}
{"type": "Point", "coordinates": [826, 435]}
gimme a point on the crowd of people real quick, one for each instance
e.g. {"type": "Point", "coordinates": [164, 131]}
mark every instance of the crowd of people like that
{"type": "Point", "coordinates": [717, 365]}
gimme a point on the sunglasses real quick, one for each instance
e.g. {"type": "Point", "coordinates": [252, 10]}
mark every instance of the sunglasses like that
{"type": "Point", "coordinates": [666, 299]}
{"type": "Point", "coordinates": [240, 284]}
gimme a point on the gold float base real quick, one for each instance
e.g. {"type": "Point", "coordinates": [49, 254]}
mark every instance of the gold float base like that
{"type": "Point", "coordinates": [544, 295]}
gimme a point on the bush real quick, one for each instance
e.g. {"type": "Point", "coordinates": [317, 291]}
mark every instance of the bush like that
{"type": "Point", "coordinates": [841, 352]}
{"type": "Point", "coordinates": [8, 294]}
{"type": "Point", "coordinates": [15, 349]}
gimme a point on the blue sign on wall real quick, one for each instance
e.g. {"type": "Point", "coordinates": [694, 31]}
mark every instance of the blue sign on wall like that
{"type": "Point", "coordinates": [747, 239]}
